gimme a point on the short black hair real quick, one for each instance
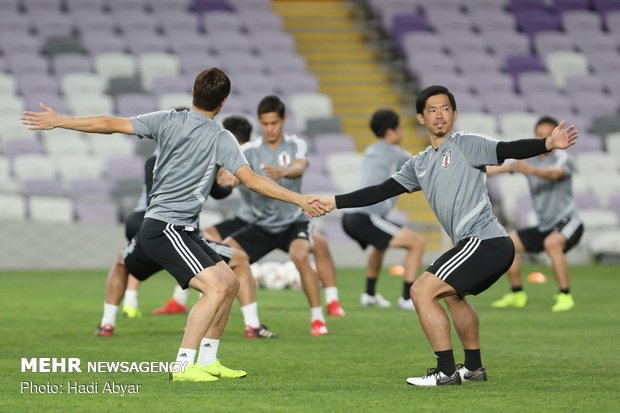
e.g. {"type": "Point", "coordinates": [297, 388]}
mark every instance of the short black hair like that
{"type": "Point", "coordinates": [270, 104]}
{"type": "Point", "coordinates": [383, 120]}
{"type": "Point", "coordinates": [240, 127]}
{"type": "Point", "coordinates": [420, 102]}
{"type": "Point", "coordinates": [547, 119]}
{"type": "Point", "coordinates": [211, 87]}
{"type": "Point", "coordinates": [182, 109]}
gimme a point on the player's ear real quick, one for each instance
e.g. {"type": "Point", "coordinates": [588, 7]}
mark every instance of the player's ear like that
{"type": "Point", "coordinates": [420, 118]}
{"type": "Point", "coordinates": [456, 114]}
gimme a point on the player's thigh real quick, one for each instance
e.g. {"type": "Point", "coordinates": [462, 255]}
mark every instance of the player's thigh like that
{"type": "Point", "coordinates": [254, 241]}
{"type": "Point", "coordinates": [531, 240]}
{"type": "Point", "coordinates": [406, 238]}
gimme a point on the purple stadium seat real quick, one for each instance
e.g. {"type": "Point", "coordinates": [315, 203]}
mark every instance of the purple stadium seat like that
{"type": "Point", "coordinates": [144, 41]}
{"type": "Point", "coordinates": [431, 62]}
{"type": "Point", "coordinates": [227, 42]}
{"type": "Point", "coordinates": [27, 63]}
{"type": "Point", "coordinates": [477, 62]}
{"type": "Point", "coordinates": [515, 65]}
{"type": "Point", "coordinates": [92, 21]}
{"type": "Point", "coordinates": [534, 21]}
{"type": "Point", "coordinates": [51, 24]}
{"type": "Point", "coordinates": [603, 62]}
{"type": "Point", "coordinates": [587, 144]}
{"type": "Point", "coordinates": [405, 23]}
{"type": "Point", "coordinates": [548, 42]}
{"type": "Point", "coordinates": [172, 20]}
{"type": "Point", "coordinates": [42, 5]}
{"type": "Point", "coordinates": [90, 188]}
{"type": "Point", "coordinates": [80, 5]}
{"type": "Point", "coordinates": [97, 42]}
{"type": "Point", "coordinates": [317, 182]}
{"type": "Point", "coordinates": [611, 82]}
{"type": "Point", "coordinates": [71, 63]}
{"type": "Point", "coordinates": [53, 100]}
{"type": "Point", "coordinates": [468, 103]}
{"type": "Point", "coordinates": [129, 5]}
{"type": "Point", "coordinates": [222, 21]}
{"type": "Point", "coordinates": [591, 104]}
{"type": "Point", "coordinates": [260, 20]}
{"type": "Point", "coordinates": [189, 42]}
{"type": "Point", "coordinates": [605, 6]}
{"type": "Point", "coordinates": [523, 207]}
{"type": "Point", "coordinates": [614, 203]}
{"type": "Point", "coordinates": [265, 41]}
{"type": "Point", "coordinates": [13, 21]}
{"type": "Point", "coordinates": [132, 104]}
{"type": "Point", "coordinates": [449, 20]}
{"type": "Point", "coordinates": [43, 83]}
{"type": "Point", "coordinates": [245, 82]}
{"type": "Point", "coordinates": [204, 6]}
{"type": "Point", "coordinates": [161, 5]}
{"type": "Point", "coordinates": [583, 83]}
{"type": "Point", "coordinates": [11, 43]}
{"type": "Point", "coordinates": [456, 84]}
{"type": "Point", "coordinates": [21, 146]}
{"type": "Point", "coordinates": [484, 83]}
{"type": "Point", "coordinates": [506, 43]}
{"type": "Point", "coordinates": [333, 142]}
{"type": "Point", "coordinates": [171, 84]}
{"type": "Point", "coordinates": [547, 102]}
{"type": "Point", "coordinates": [498, 103]}
{"type": "Point", "coordinates": [284, 62]}
{"type": "Point", "coordinates": [290, 83]}
{"type": "Point", "coordinates": [97, 212]}
{"type": "Point", "coordinates": [580, 21]}
{"type": "Point", "coordinates": [526, 5]}
{"type": "Point", "coordinates": [493, 20]}
{"type": "Point", "coordinates": [42, 186]}
{"type": "Point", "coordinates": [128, 20]}
{"type": "Point", "coordinates": [420, 42]}
{"type": "Point", "coordinates": [124, 167]}
{"type": "Point", "coordinates": [595, 41]}
{"type": "Point", "coordinates": [240, 62]}
{"type": "Point", "coordinates": [465, 41]}
{"type": "Point", "coordinates": [561, 6]}
{"type": "Point", "coordinates": [192, 64]}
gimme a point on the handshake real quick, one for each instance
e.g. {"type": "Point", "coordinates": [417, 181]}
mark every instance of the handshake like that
{"type": "Point", "coordinates": [315, 206]}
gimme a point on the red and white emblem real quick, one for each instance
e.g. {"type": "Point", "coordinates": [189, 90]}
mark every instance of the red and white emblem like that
{"type": "Point", "coordinates": [446, 158]}
{"type": "Point", "coordinates": [284, 159]}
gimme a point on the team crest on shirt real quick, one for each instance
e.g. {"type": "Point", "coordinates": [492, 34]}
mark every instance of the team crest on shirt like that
{"type": "Point", "coordinates": [446, 159]}
{"type": "Point", "coordinates": [284, 159]}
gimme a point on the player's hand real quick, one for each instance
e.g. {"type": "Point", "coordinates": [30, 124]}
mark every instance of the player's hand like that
{"type": "Point", "coordinates": [328, 202]}
{"type": "Point", "coordinates": [271, 171]}
{"type": "Point", "coordinates": [312, 207]}
{"type": "Point", "coordinates": [45, 120]}
{"type": "Point", "coordinates": [225, 178]}
{"type": "Point", "coordinates": [562, 137]}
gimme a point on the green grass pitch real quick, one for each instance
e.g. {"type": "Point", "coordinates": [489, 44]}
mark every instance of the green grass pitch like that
{"type": "Point", "coordinates": [537, 361]}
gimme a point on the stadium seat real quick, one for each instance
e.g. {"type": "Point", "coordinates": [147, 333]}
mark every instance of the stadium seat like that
{"type": "Point", "coordinates": [82, 83]}
{"type": "Point", "coordinates": [90, 104]}
{"type": "Point", "coordinates": [71, 167]}
{"type": "Point", "coordinates": [477, 122]}
{"type": "Point", "coordinates": [33, 166]}
{"type": "Point", "coordinates": [68, 143]}
{"type": "Point", "coordinates": [310, 105]}
{"type": "Point", "coordinates": [12, 207]}
{"type": "Point", "coordinates": [109, 65]}
{"type": "Point", "coordinates": [50, 209]}
{"type": "Point", "coordinates": [8, 84]}
{"type": "Point", "coordinates": [597, 163]}
{"type": "Point", "coordinates": [517, 125]}
{"type": "Point", "coordinates": [169, 101]}
{"type": "Point", "coordinates": [111, 145]}
{"type": "Point", "coordinates": [345, 168]}
{"type": "Point", "coordinates": [99, 212]}
{"type": "Point", "coordinates": [564, 64]}
{"type": "Point", "coordinates": [606, 246]}
{"type": "Point", "coordinates": [49, 186]}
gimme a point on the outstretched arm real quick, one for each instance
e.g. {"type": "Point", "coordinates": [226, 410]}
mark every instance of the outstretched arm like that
{"type": "Point", "coordinates": [551, 173]}
{"type": "Point", "coordinates": [49, 119]}
{"type": "Point", "coordinates": [562, 137]}
{"type": "Point", "coordinates": [267, 187]}
{"type": "Point", "coordinates": [366, 196]}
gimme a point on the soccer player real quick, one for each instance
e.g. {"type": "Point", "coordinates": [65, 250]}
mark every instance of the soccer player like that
{"type": "Point", "coordinates": [369, 225]}
{"type": "Point", "coordinates": [451, 173]}
{"type": "Point", "coordinates": [191, 148]}
{"type": "Point", "coordinates": [275, 224]}
{"type": "Point", "coordinates": [559, 227]}
{"type": "Point", "coordinates": [242, 129]}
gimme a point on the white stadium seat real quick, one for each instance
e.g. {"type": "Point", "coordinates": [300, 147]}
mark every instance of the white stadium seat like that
{"type": "Point", "coordinates": [50, 209]}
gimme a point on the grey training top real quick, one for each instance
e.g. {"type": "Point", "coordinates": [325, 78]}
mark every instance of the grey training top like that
{"type": "Point", "coordinates": [270, 214]}
{"type": "Point", "coordinates": [191, 148]}
{"type": "Point", "coordinates": [553, 200]}
{"type": "Point", "coordinates": [453, 179]}
{"type": "Point", "coordinates": [381, 161]}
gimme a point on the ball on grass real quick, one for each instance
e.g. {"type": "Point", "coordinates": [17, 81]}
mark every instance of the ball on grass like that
{"type": "Point", "coordinates": [537, 278]}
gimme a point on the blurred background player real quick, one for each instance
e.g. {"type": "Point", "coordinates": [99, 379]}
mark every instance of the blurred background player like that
{"type": "Point", "coordinates": [274, 224]}
{"type": "Point", "coordinates": [241, 128]}
{"type": "Point", "coordinates": [369, 225]}
{"type": "Point", "coordinates": [559, 226]}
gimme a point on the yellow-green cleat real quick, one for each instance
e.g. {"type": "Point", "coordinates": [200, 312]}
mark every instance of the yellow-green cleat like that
{"type": "Point", "coordinates": [193, 372]}
{"type": "Point", "coordinates": [515, 300]}
{"type": "Point", "coordinates": [216, 369]}
{"type": "Point", "coordinates": [563, 302]}
{"type": "Point", "coordinates": [131, 312]}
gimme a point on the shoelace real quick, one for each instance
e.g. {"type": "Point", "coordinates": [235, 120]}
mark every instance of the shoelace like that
{"type": "Point", "coordinates": [263, 331]}
{"type": "Point", "coordinates": [434, 371]}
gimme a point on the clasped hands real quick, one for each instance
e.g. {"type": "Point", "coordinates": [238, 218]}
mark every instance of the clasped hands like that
{"type": "Point", "coordinates": [315, 206]}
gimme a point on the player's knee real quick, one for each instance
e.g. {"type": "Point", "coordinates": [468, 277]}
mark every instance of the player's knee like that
{"type": "Point", "coordinates": [553, 243]}
{"type": "Point", "coordinates": [417, 242]}
{"type": "Point", "coordinates": [299, 256]}
{"type": "Point", "coordinates": [240, 257]}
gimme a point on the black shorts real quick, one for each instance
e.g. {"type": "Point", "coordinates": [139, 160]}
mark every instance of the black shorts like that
{"type": "Point", "coordinates": [257, 242]}
{"type": "Point", "coordinates": [142, 267]}
{"type": "Point", "coordinates": [533, 239]}
{"type": "Point", "coordinates": [473, 265]}
{"type": "Point", "coordinates": [176, 248]}
{"type": "Point", "coordinates": [230, 226]}
{"type": "Point", "coordinates": [369, 229]}
{"type": "Point", "coordinates": [133, 223]}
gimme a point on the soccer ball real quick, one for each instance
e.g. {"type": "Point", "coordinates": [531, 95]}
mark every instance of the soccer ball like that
{"type": "Point", "coordinates": [293, 277]}
{"type": "Point", "coordinates": [274, 276]}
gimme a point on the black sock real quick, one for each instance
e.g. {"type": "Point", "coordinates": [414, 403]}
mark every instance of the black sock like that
{"type": "Point", "coordinates": [371, 283]}
{"type": "Point", "coordinates": [565, 290]}
{"type": "Point", "coordinates": [517, 289]}
{"type": "Point", "coordinates": [407, 290]}
{"type": "Point", "coordinates": [445, 362]}
{"type": "Point", "coordinates": [472, 359]}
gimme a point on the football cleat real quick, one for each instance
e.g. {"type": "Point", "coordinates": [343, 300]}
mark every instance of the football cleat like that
{"type": "Point", "coordinates": [216, 369]}
{"type": "Point", "coordinates": [480, 374]}
{"type": "Point", "coordinates": [515, 300]}
{"type": "Point", "coordinates": [435, 377]}
{"type": "Point", "coordinates": [171, 307]}
{"type": "Point", "coordinates": [260, 332]}
{"type": "Point", "coordinates": [563, 302]}
{"type": "Point", "coordinates": [376, 300]}
{"type": "Point", "coordinates": [405, 304]}
{"type": "Point", "coordinates": [193, 372]}
{"type": "Point", "coordinates": [334, 309]}
{"type": "Point", "coordinates": [105, 330]}
{"type": "Point", "coordinates": [131, 311]}
{"type": "Point", "coordinates": [318, 328]}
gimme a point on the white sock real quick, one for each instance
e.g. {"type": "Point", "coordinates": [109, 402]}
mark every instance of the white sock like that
{"type": "Point", "coordinates": [208, 351]}
{"type": "Point", "coordinates": [331, 294]}
{"type": "Point", "coordinates": [250, 315]}
{"type": "Point", "coordinates": [131, 298]}
{"type": "Point", "coordinates": [186, 355]}
{"type": "Point", "coordinates": [316, 313]}
{"type": "Point", "coordinates": [109, 314]}
{"type": "Point", "coordinates": [180, 295]}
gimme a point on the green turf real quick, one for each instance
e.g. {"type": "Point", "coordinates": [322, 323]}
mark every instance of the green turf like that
{"type": "Point", "coordinates": [537, 361]}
